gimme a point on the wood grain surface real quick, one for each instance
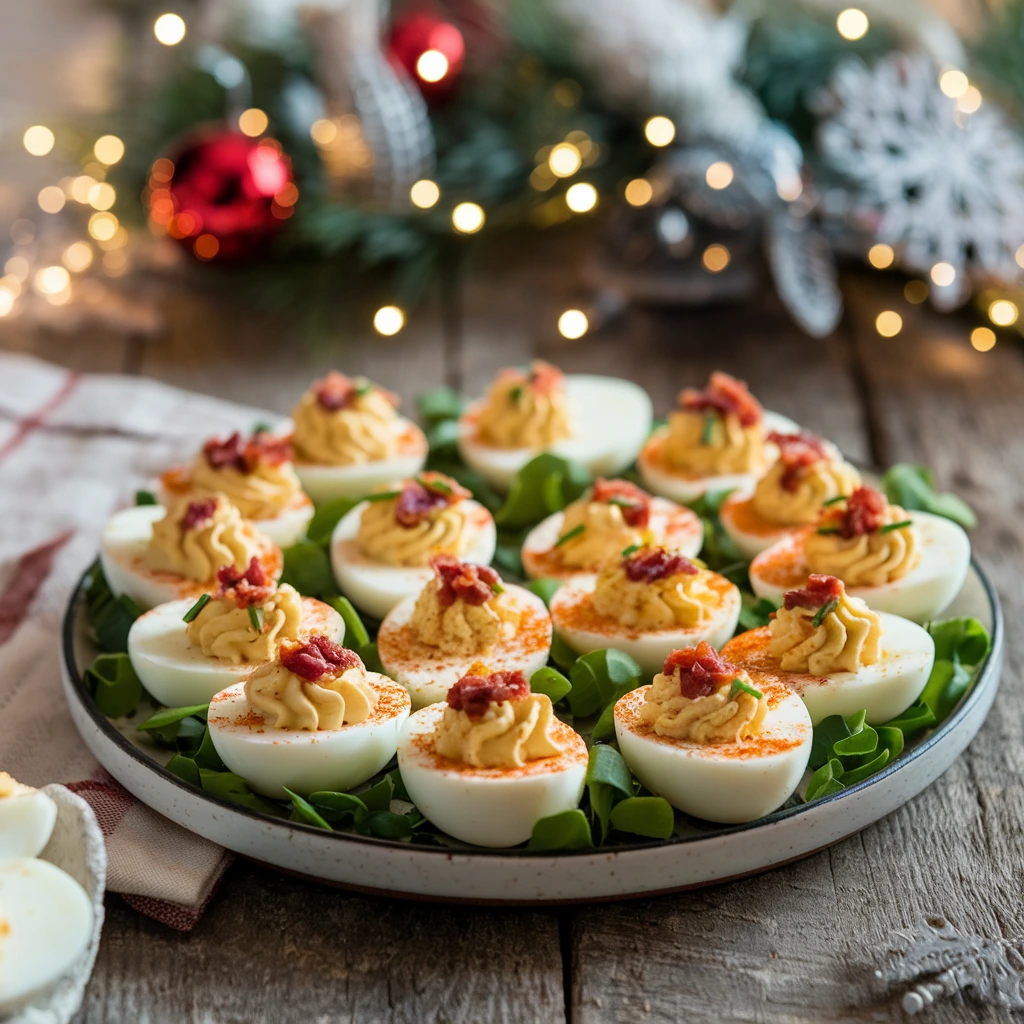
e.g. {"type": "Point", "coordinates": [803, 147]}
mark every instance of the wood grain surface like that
{"type": "Point", "coordinates": [798, 944]}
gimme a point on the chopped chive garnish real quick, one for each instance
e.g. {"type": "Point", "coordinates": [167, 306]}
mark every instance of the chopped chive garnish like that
{"type": "Point", "coordinates": [516, 393]}
{"type": "Point", "coordinates": [574, 532]}
{"type": "Point", "coordinates": [256, 618]}
{"type": "Point", "coordinates": [497, 587]}
{"type": "Point", "coordinates": [434, 485]}
{"type": "Point", "coordinates": [825, 530]}
{"type": "Point", "coordinates": [626, 552]}
{"type": "Point", "coordinates": [826, 609]}
{"type": "Point", "coordinates": [190, 615]}
{"type": "Point", "coordinates": [834, 501]}
{"type": "Point", "coordinates": [145, 498]}
{"type": "Point", "coordinates": [363, 389]}
{"type": "Point", "coordinates": [261, 428]}
{"type": "Point", "coordinates": [383, 495]}
{"type": "Point", "coordinates": [709, 426]}
{"type": "Point", "coordinates": [889, 527]}
{"type": "Point", "coordinates": [739, 686]}
{"type": "Point", "coordinates": [621, 502]}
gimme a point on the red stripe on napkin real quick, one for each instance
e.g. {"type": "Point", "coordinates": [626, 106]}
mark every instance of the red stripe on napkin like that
{"type": "Point", "coordinates": [30, 574]}
{"type": "Point", "coordinates": [36, 419]}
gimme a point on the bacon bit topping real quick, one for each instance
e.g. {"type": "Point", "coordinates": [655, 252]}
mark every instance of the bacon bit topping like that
{"type": "Point", "coordinates": [820, 590]}
{"type": "Point", "coordinates": [864, 513]}
{"type": "Point", "coordinates": [463, 581]}
{"type": "Point", "coordinates": [420, 497]}
{"type": "Point", "coordinates": [475, 693]}
{"type": "Point", "coordinates": [724, 394]}
{"type": "Point", "coordinates": [702, 670]}
{"type": "Point", "coordinates": [634, 501]}
{"type": "Point", "coordinates": [336, 391]}
{"type": "Point", "coordinates": [246, 588]}
{"type": "Point", "coordinates": [317, 658]}
{"type": "Point", "coordinates": [542, 377]}
{"type": "Point", "coordinates": [650, 564]}
{"type": "Point", "coordinates": [797, 452]}
{"type": "Point", "coordinates": [198, 513]}
{"type": "Point", "coordinates": [245, 456]}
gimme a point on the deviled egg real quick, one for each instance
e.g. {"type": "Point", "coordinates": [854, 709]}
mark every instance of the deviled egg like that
{"type": "Point", "coordinates": [909, 563]}
{"type": "Point", "coordinates": [808, 474]}
{"type": "Point", "coordinates": [716, 440]}
{"type": "Point", "coordinates": [838, 654]}
{"type": "Point", "coordinates": [255, 475]}
{"type": "Point", "coordinates": [349, 440]}
{"type": "Point", "coordinates": [647, 602]}
{"type": "Point", "coordinates": [430, 640]}
{"type": "Point", "coordinates": [46, 917]}
{"type": "Point", "coordinates": [492, 760]}
{"type": "Point", "coordinates": [711, 741]}
{"type": "Point", "coordinates": [155, 554]}
{"type": "Point", "coordinates": [598, 422]}
{"type": "Point", "coordinates": [381, 550]}
{"type": "Point", "coordinates": [610, 516]}
{"type": "Point", "coordinates": [186, 651]}
{"type": "Point", "coordinates": [313, 719]}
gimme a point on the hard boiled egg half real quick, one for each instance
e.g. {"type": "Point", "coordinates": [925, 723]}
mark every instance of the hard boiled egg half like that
{"type": "Point", "coordinates": [719, 770]}
{"type": "Point", "coordinates": [381, 550]}
{"type": "Point", "coordinates": [716, 440]}
{"type": "Point", "coordinates": [647, 603]}
{"type": "Point", "coordinates": [155, 554]}
{"type": "Point", "coordinates": [313, 720]}
{"type": "Point", "coordinates": [598, 422]}
{"type": "Point", "coordinates": [349, 439]}
{"type": "Point", "coordinates": [465, 614]}
{"type": "Point", "coordinates": [610, 516]}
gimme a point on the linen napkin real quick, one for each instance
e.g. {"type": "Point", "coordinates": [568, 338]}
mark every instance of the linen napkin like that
{"type": "Point", "coordinates": [73, 449]}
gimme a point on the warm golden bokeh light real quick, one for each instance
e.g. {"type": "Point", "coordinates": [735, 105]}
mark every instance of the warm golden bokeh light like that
{"type": "Point", "coordinates": [573, 324]}
{"type": "Point", "coordinates": [103, 226]}
{"type": "Point", "coordinates": [51, 280]}
{"type": "Point", "coordinates": [432, 65]}
{"type": "Point", "coordinates": [953, 83]}
{"type": "Point", "coordinates": [1003, 313]}
{"type": "Point", "coordinates": [639, 192]}
{"type": "Point", "coordinates": [1019, 256]}
{"type": "Point", "coordinates": [915, 292]}
{"type": "Point", "coordinates": [253, 122]}
{"type": "Point", "coordinates": [206, 246]}
{"type": "Point", "coordinates": [564, 160]}
{"type": "Point", "coordinates": [719, 175]}
{"type": "Point", "coordinates": [388, 320]}
{"type": "Point", "coordinates": [6, 301]}
{"type": "Point", "coordinates": [323, 132]}
{"type": "Point", "coordinates": [888, 323]}
{"type": "Point", "coordinates": [468, 218]}
{"type": "Point", "coordinates": [970, 101]}
{"type": "Point", "coordinates": [102, 196]}
{"type": "Point", "coordinates": [81, 187]}
{"type": "Point", "coordinates": [108, 149]}
{"type": "Point", "coordinates": [943, 274]}
{"type": "Point", "coordinates": [424, 193]}
{"type": "Point", "coordinates": [17, 266]}
{"type": "Point", "coordinates": [38, 140]}
{"type": "Point", "coordinates": [77, 257]}
{"type": "Point", "coordinates": [983, 339]}
{"type": "Point", "coordinates": [659, 131]}
{"type": "Point", "coordinates": [51, 199]}
{"type": "Point", "coordinates": [716, 258]}
{"type": "Point", "coordinates": [169, 29]}
{"type": "Point", "coordinates": [581, 197]}
{"type": "Point", "coordinates": [852, 23]}
{"type": "Point", "coordinates": [881, 255]}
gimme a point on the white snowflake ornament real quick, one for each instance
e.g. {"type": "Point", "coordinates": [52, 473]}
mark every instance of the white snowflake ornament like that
{"type": "Point", "coordinates": [937, 184]}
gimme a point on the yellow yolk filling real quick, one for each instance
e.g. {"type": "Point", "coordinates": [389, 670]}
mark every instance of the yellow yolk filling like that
{"type": "Point", "coordinates": [517, 415]}
{"type": "Point", "coordinates": [848, 637]}
{"type": "Point", "coordinates": [461, 628]}
{"type": "Point", "coordinates": [289, 702]}
{"type": "Point", "coordinates": [198, 554]}
{"type": "Point", "coordinates": [712, 444]}
{"type": "Point", "coordinates": [10, 786]}
{"type": "Point", "coordinates": [361, 432]}
{"type": "Point", "coordinates": [260, 494]}
{"type": "Point", "coordinates": [869, 559]}
{"type": "Point", "coordinates": [711, 719]}
{"type": "Point", "coordinates": [508, 735]}
{"type": "Point", "coordinates": [223, 630]}
{"type": "Point", "coordinates": [684, 599]}
{"type": "Point", "coordinates": [815, 485]}
{"type": "Point", "coordinates": [605, 533]}
{"type": "Point", "coordinates": [383, 538]}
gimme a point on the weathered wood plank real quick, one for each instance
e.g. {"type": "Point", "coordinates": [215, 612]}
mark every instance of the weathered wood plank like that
{"type": "Point", "coordinates": [92, 350]}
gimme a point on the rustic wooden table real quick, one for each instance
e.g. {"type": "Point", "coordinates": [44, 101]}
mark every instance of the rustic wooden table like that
{"type": "Point", "coordinates": [797, 944]}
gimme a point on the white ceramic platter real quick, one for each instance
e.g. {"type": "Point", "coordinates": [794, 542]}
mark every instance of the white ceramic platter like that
{"type": "Point", "coordinates": [700, 857]}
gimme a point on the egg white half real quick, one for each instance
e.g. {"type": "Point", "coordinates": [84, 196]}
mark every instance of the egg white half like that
{"type": "Point", "coordinates": [495, 807]}
{"type": "Point", "coordinates": [749, 542]}
{"type": "Point", "coordinates": [428, 674]}
{"type": "Point", "coordinates": [328, 483]}
{"type": "Point", "coordinates": [572, 602]}
{"type": "Point", "coordinates": [721, 782]}
{"type": "Point", "coordinates": [921, 595]}
{"type": "Point", "coordinates": [684, 489]}
{"type": "Point", "coordinates": [125, 538]}
{"type": "Point", "coordinates": [374, 587]}
{"type": "Point", "coordinates": [48, 922]}
{"type": "Point", "coordinates": [673, 526]}
{"type": "Point", "coordinates": [609, 417]}
{"type": "Point", "coordinates": [178, 674]}
{"type": "Point", "coordinates": [305, 762]}
{"type": "Point", "coordinates": [27, 818]}
{"type": "Point", "coordinates": [885, 689]}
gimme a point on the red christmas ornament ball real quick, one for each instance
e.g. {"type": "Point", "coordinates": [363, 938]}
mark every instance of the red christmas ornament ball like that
{"type": "Point", "coordinates": [223, 195]}
{"type": "Point", "coordinates": [430, 50]}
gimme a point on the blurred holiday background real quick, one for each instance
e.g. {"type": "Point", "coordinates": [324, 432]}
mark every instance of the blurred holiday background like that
{"type": "Point", "coordinates": [336, 166]}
